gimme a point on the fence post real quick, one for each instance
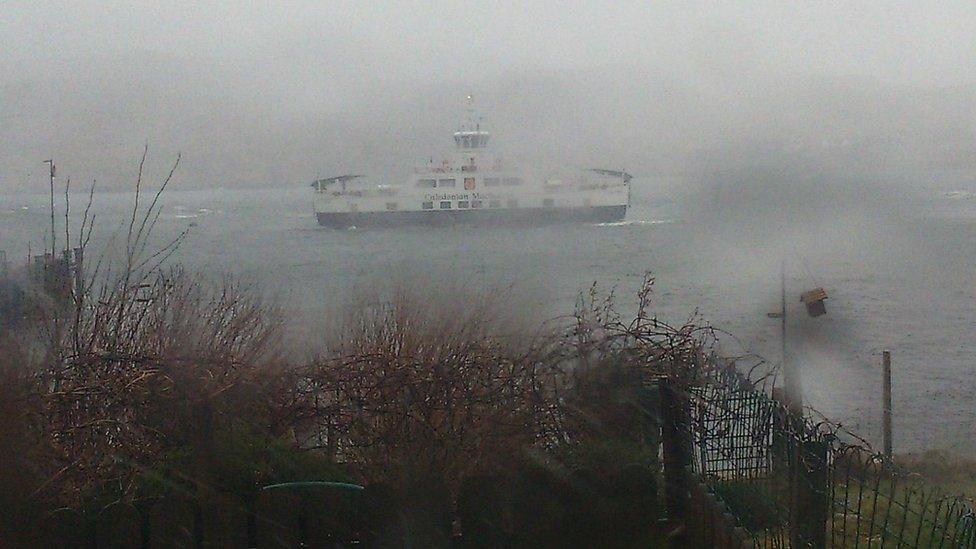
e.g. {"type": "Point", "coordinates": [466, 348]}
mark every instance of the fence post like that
{"type": "Point", "coordinates": [886, 365]}
{"type": "Point", "coordinates": [677, 446]}
{"type": "Point", "coordinates": [780, 451]}
{"type": "Point", "coordinates": [811, 503]}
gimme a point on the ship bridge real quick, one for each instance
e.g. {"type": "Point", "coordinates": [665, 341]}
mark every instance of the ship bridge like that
{"type": "Point", "coordinates": [470, 136]}
{"type": "Point", "coordinates": [471, 142]}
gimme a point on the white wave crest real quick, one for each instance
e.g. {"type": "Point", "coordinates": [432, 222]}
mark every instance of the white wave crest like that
{"type": "Point", "coordinates": [628, 222]}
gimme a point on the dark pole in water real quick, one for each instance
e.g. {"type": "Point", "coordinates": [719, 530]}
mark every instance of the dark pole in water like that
{"type": "Point", "coordinates": [886, 365]}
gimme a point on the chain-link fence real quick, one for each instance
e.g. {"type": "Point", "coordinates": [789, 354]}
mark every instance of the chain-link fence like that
{"type": "Point", "coordinates": [790, 482]}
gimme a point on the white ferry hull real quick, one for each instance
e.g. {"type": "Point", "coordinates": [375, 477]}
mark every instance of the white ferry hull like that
{"type": "Point", "coordinates": [514, 216]}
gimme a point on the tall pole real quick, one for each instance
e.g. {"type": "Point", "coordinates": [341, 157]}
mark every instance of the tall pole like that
{"type": "Point", "coordinates": [791, 375]}
{"type": "Point", "coordinates": [886, 365]}
{"type": "Point", "coordinates": [782, 313]}
{"type": "Point", "coordinates": [50, 171]}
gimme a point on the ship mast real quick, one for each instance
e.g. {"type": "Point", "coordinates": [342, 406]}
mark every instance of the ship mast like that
{"type": "Point", "coordinates": [471, 124]}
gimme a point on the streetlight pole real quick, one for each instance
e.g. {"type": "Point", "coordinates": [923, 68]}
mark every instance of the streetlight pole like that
{"type": "Point", "coordinates": [792, 390]}
{"type": "Point", "coordinates": [54, 249]}
{"type": "Point", "coordinates": [791, 374]}
{"type": "Point", "coordinates": [782, 311]}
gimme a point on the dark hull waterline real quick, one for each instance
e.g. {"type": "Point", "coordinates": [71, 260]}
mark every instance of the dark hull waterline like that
{"type": "Point", "coordinates": [520, 216]}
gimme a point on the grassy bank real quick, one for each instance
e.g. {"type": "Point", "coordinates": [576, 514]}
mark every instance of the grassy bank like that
{"type": "Point", "coordinates": [950, 473]}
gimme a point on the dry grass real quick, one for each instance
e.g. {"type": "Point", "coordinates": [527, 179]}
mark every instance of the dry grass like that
{"type": "Point", "coordinates": [950, 473]}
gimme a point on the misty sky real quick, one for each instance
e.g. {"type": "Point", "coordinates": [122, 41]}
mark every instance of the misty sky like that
{"type": "Point", "coordinates": [281, 93]}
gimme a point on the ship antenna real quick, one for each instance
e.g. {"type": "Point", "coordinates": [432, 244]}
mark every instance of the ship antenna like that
{"type": "Point", "coordinates": [470, 100]}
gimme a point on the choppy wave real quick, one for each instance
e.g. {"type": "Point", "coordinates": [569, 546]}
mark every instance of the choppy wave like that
{"type": "Point", "coordinates": [959, 195]}
{"type": "Point", "coordinates": [628, 222]}
{"type": "Point", "coordinates": [182, 212]}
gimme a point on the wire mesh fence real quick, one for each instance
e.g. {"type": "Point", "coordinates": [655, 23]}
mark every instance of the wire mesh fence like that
{"type": "Point", "coordinates": [794, 483]}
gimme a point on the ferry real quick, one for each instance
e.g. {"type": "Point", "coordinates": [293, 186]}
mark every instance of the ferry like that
{"type": "Point", "coordinates": [473, 186]}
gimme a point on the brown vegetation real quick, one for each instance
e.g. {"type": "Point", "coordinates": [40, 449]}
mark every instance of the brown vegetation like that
{"type": "Point", "coordinates": [145, 381]}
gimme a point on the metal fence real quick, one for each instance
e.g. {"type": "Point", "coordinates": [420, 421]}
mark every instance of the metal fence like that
{"type": "Point", "coordinates": [793, 483]}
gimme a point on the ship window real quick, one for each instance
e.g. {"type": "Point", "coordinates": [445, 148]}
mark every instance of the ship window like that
{"type": "Point", "coordinates": [491, 182]}
{"type": "Point", "coordinates": [445, 204]}
{"type": "Point", "coordinates": [427, 183]}
{"type": "Point", "coordinates": [495, 204]}
{"type": "Point", "coordinates": [475, 203]}
{"type": "Point", "coordinates": [428, 205]}
{"type": "Point", "coordinates": [547, 203]}
{"type": "Point", "coordinates": [469, 183]}
{"type": "Point", "coordinates": [462, 204]}
{"type": "Point", "coordinates": [445, 183]}
{"type": "Point", "coordinates": [512, 203]}
{"type": "Point", "coordinates": [391, 206]}
{"type": "Point", "coordinates": [511, 181]}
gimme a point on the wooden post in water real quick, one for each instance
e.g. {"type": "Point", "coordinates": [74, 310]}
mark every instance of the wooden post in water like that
{"type": "Point", "coordinates": [886, 365]}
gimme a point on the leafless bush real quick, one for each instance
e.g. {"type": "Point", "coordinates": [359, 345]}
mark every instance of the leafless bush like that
{"type": "Point", "coordinates": [656, 346]}
{"type": "Point", "coordinates": [156, 368]}
{"type": "Point", "coordinates": [419, 386]}
{"type": "Point", "coordinates": [142, 360]}
{"type": "Point", "coordinates": [422, 386]}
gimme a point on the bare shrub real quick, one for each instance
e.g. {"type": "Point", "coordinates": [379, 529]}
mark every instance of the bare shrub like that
{"type": "Point", "coordinates": [420, 386]}
{"type": "Point", "coordinates": [142, 363]}
{"type": "Point", "coordinates": [155, 368]}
